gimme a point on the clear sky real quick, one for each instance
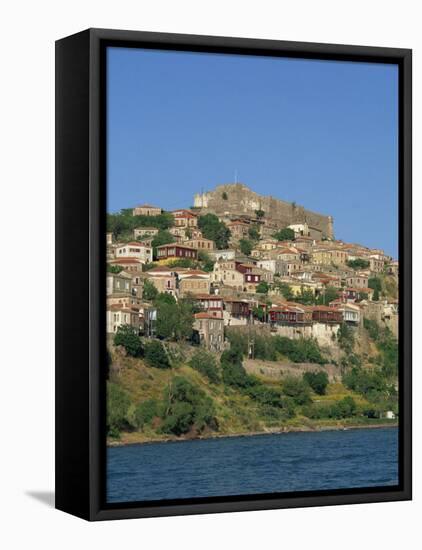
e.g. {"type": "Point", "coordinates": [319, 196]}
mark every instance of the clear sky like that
{"type": "Point", "coordinates": [321, 133]}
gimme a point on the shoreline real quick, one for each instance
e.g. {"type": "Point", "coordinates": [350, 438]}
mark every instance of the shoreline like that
{"type": "Point", "coordinates": [279, 431]}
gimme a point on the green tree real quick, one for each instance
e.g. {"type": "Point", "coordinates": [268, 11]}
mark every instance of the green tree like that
{"type": "Point", "coordinates": [146, 411]}
{"type": "Point", "coordinates": [376, 295]}
{"type": "Point", "coordinates": [259, 213]}
{"type": "Point", "coordinates": [245, 246]}
{"type": "Point", "coordinates": [317, 380]}
{"type": "Point", "coordinates": [215, 230]}
{"type": "Point", "coordinates": [375, 283]}
{"type": "Point", "coordinates": [122, 223]}
{"type": "Point", "coordinates": [114, 268]}
{"type": "Point", "coordinates": [263, 287]}
{"type": "Point", "coordinates": [127, 337]}
{"type": "Point", "coordinates": [305, 296]}
{"type": "Point", "coordinates": [205, 363]}
{"type": "Point", "coordinates": [253, 233]}
{"type": "Point", "coordinates": [359, 263]}
{"type": "Point", "coordinates": [185, 407]}
{"type": "Point", "coordinates": [285, 234]}
{"type": "Point", "coordinates": [233, 371]}
{"type": "Point", "coordinates": [206, 261]}
{"type": "Point", "coordinates": [174, 319]}
{"type": "Point", "coordinates": [118, 403]}
{"type": "Point", "coordinates": [224, 196]}
{"type": "Point", "coordinates": [150, 291]}
{"type": "Point", "coordinates": [155, 355]}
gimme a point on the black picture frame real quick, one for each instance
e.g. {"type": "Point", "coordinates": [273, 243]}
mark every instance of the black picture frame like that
{"type": "Point", "coordinates": [80, 249]}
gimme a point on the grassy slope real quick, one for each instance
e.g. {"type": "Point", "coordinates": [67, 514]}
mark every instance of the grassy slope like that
{"type": "Point", "coordinates": [236, 413]}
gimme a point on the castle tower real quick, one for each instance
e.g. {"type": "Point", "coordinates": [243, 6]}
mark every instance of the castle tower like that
{"type": "Point", "coordinates": [330, 227]}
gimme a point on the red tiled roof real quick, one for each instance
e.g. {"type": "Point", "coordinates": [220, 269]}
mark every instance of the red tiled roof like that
{"type": "Point", "coordinates": [125, 261]}
{"type": "Point", "coordinates": [205, 315]}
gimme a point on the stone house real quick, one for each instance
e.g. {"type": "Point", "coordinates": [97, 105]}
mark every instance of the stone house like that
{"type": "Point", "coordinates": [209, 330]}
{"type": "Point", "coordinates": [118, 283]}
{"type": "Point", "coordinates": [146, 210]}
{"type": "Point", "coordinates": [274, 265]}
{"type": "Point", "coordinates": [225, 272]}
{"type": "Point", "coordinates": [393, 268]}
{"type": "Point", "coordinates": [185, 218]}
{"type": "Point", "coordinates": [118, 315]}
{"type": "Point", "coordinates": [145, 232]}
{"type": "Point", "coordinates": [194, 284]}
{"type": "Point", "coordinates": [239, 230]}
{"type": "Point", "coordinates": [128, 264]}
{"type": "Point", "coordinates": [285, 254]}
{"type": "Point", "coordinates": [211, 303]}
{"type": "Point", "coordinates": [134, 249]}
{"type": "Point", "coordinates": [201, 243]}
{"type": "Point", "coordinates": [358, 280]}
{"type": "Point", "coordinates": [164, 283]}
{"type": "Point", "coordinates": [328, 256]}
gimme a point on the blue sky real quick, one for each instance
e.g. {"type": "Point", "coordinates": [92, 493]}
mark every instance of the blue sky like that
{"type": "Point", "coordinates": [321, 133]}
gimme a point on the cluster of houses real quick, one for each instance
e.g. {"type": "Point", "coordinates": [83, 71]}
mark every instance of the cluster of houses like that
{"type": "Point", "coordinates": [243, 290]}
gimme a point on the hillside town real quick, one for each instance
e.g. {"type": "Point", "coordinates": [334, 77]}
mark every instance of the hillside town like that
{"type": "Point", "coordinates": [242, 263]}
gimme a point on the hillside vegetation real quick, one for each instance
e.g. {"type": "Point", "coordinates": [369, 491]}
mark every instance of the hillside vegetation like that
{"type": "Point", "coordinates": [161, 390]}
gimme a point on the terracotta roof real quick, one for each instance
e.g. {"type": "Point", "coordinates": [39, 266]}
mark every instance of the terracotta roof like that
{"type": "Point", "coordinates": [177, 245]}
{"type": "Point", "coordinates": [125, 261]}
{"type": "Point", "coordinates": [205, 315]}
{"type": "Point", "coordinates": [190, 277]}
{"type": "Point", "coordinates": [322, 308]}
{"type": "Point", "coordinates": [147, 206]}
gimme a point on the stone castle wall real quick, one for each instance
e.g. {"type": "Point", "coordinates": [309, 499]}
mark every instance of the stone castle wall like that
{"type": "Point", "coordinates": [242, 200]}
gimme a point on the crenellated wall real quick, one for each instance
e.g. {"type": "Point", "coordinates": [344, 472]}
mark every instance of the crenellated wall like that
{"type": "Point", "coordinates": [242, 200]}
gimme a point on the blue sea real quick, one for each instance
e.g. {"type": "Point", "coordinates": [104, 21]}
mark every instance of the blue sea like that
{"type": "Point", "coordinates": [253, 464]}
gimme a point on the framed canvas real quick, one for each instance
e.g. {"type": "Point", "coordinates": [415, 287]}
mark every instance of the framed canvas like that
{"type": "Point", "coordinates": [233, 276]}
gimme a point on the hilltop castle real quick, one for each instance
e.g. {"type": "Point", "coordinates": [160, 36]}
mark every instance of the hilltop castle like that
{"type": "Point", "coordinates": [236, 199]}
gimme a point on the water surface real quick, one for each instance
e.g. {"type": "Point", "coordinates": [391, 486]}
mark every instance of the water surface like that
{"type": "Point", "coordinates": [253, 464]}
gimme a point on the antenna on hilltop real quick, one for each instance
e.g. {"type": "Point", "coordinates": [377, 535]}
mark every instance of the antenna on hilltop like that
{"type": "Point", "coordinates": [235, 175]}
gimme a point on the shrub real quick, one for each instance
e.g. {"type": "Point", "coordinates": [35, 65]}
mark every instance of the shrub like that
{"type": "Point", "coordinates": [345, 408]}
{"type": "Point", "coordinates": [304, 350]}
{"type": "Point", "coordinates": [285, 234]}
{"type": "Point", "coordinates": [245, 246]}
{"type": "Point", "coordinates": [297, 389]}
{"type": "Point", "coordinates": [232, 369]}
{"type": "Point", "coordinates": [127, 337]}
{"type": "Point", "coordinates": [156, 356]}
{"type": "Point", "coordinates": [358, 263]}
{"type": "Point", "coordinates": [150, 291]}
{"type": "Point", "coordinates": [118, 403]}
{"type": "Point", "coordinates": [186, 406]}
{"type": "Point", "coordinates": [317, 380]}
{"type": "Point", "coordinates": [205, 363]}
{"type": "Point", "coordinates": [263, 287]}
{"type": "Point", "coordinates": [146, 411]}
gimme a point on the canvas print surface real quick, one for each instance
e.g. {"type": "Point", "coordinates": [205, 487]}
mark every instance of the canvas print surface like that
{"type": "Point", "coordinates": [252, 275]}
